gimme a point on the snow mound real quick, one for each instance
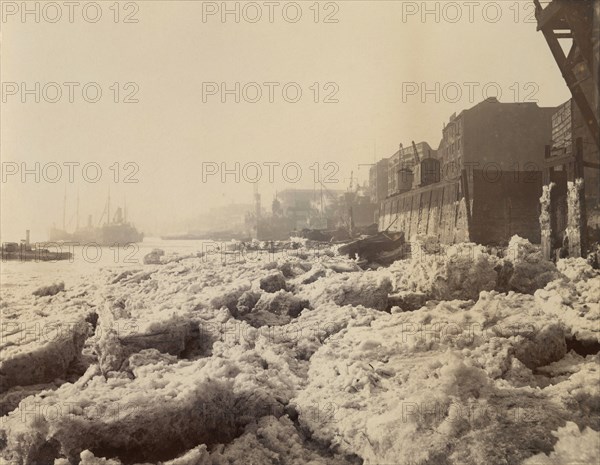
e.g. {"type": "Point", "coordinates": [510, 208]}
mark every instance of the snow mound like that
{"type": "Point", "coordinates": [530, 270]}
{"type": "Point", "coordinates": [268, 441]}
{"type": "Point", "coordinates": [422, 245]}
{"type": "Point", "coordinates": [275, 309]}
{"type": "Point", "coordinates": [161, 411]}
{"type": "Point", "coordinates": [447, 384]}
{"type": "Point", "coordinates": [573, 447]}
{"type": "Point", "coordinates": [369, 289]}
{"type": "Point", "coordinates": [576, 269]}
{"type": "Point", "coordinates": [274, 441]}
{"type": "Point", "coordinates": [273, 282]}
{"type": "Point", "coordinates": [230, 297]}
{"type": "Point", "coordinates": [53, 289]}
{"type": "Point", "coordinates": [122, 332]}
{"type": "Point", "coordinates": [461, 271]}
{"type": "Point", "coordinates": [40, 337]}
{"type": "Point", "coordinates": [196, 456]}
{"type": "Point", "coordinates": [316, 272]}
{"type": "Point", "coordinates": [574, 299]}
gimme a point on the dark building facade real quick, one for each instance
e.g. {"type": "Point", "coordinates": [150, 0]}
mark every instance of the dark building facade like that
{"type": "Point", "coordinates": [496, 136]}
{"type": "Point", "coordinates": [378, 181]}
{"type": "Point", "coordinates": [490, 160]}
{"type": "Point", "coordinates": [378, 185]}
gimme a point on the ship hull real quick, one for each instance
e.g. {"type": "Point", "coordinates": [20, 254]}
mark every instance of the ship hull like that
{"type": "Point", "coordinates": [35, 255]}
{"type": "Point", "coordinates": [107, 235]}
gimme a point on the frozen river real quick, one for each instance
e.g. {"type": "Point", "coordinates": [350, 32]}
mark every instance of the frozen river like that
{"type": "Point", "coordinates": [88, 260]}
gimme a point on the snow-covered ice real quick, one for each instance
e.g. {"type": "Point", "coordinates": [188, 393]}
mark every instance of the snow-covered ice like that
{"type": "Point", "coordinates": [455, 356]}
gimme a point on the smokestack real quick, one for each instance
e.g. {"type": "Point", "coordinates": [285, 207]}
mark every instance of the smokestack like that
{"type": "Point", "coordinates": [27, 237]}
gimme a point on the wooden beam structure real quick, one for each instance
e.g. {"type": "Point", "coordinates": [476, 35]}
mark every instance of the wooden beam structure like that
{"type": "Point", "coordinates": [564, 218]}
{"type": "Point", "coordinates": [574, 19]}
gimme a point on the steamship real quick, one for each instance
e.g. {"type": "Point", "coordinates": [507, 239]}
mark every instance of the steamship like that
{"type": "Point", "coordinates": [116, 230]}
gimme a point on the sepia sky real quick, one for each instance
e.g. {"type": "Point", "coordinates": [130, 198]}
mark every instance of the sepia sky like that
{"type": "Point", "coordinates": [370, 56]}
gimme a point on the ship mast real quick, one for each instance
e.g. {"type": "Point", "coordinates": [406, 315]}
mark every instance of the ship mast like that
{"type": "Point", "coordinates": [321, 200]}
{"type": "Point", "coordinates": [77, 213]}
{"type": "Point", "coordinates": [64, 226]}
{"type": "Point", "coordinates": [256, 206]}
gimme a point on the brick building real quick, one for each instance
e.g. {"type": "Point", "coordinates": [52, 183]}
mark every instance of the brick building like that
{"type": "Point", "coordinates": [496, 137]}
{"type": "Point", "coordinates": [490, 160]}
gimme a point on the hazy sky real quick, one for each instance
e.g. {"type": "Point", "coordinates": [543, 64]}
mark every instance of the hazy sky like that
{"type": "Point", "coordinates": [370, 57]}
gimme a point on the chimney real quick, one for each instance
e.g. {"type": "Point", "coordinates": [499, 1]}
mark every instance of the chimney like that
{"type": "Point", "coordinates": [27, 237]}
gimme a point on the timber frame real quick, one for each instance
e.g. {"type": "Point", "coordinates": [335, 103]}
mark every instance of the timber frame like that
{"type": "Point", "coordinates": [573, 19]}
{"type": "Point", "coordinates": [564, 220]}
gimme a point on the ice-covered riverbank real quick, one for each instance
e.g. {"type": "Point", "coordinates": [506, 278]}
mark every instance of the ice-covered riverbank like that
{"type": "Point", "coordinates": [454, 357]}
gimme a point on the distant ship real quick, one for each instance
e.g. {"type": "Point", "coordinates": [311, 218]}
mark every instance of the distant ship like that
{"type": "Point", "coordinates": [117, 230]}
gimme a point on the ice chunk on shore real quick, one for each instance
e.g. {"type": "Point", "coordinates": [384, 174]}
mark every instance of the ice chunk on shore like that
{"type": "Point", "coordinates": [171, 336]}
{"type": "Point", "coordinates": [275, 441]}
{"type": "Point", "coordinates": [273, 282]}
{"type": "Point", "coordinates": [530, 270]}
{"type": "Point", "coordinates": [275, 309]}
{"type": "Point", "coordinates": [163, 411]}
{"type": "Point", "coordinates": [574, 299]}
{"type": "Point", "coordinates": [369, 289]}
{"type": "Point", "coordinates": [460, 271]}
{"type": "Point", "coordinates": [440, 384]}
{"type": "Point", "coordinates": [456, 382]}
{"type": "Point", "coordinates": [40, 337]}
{"type": "Point", "coordinates": [268, 441]}
{"type": "Point", "coordinates": [573, 447]}
{"type": "Point", "coordinates": [195, 456]}
{"type": "Point", "coordinates": [50, 290]}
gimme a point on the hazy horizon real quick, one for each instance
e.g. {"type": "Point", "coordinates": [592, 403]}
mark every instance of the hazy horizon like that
{"type": "Point", "coordinates": [170, 136]}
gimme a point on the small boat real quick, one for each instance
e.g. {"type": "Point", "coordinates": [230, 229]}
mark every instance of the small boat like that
{"type": "Point", "coordinates": [27, 252]}
{"type": "Point", "coordinates": [383, 248]}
